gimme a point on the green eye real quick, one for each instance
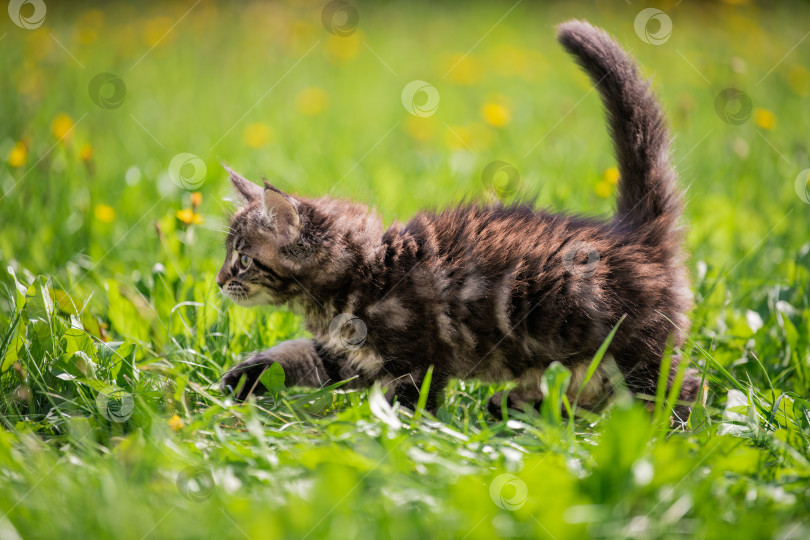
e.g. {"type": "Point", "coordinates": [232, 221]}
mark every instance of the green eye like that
{"type": "Point", "coordinates": [244, 260]}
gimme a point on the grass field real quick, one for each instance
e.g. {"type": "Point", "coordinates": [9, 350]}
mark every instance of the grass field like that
{"type": "Point", "coordinates": [113, 332]}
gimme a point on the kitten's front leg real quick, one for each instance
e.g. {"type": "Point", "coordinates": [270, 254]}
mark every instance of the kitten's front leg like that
{"type": "Point", "coordinates": [408, 388]}
{"type": "Point", "coordinates": [300, 359]}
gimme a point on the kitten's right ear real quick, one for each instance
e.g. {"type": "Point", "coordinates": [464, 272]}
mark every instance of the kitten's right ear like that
{"type": "Point", "coordinates": [246, 189]}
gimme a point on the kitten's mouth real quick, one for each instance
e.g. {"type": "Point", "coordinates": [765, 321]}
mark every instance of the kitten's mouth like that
{"type": "Point", "coordinates": [245, 297]}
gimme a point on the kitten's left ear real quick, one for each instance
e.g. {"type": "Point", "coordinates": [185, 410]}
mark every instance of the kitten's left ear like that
{"type": "Point", "coordinates": [246, 189]}
{"type": "Point", "coordinates": [282, 212]}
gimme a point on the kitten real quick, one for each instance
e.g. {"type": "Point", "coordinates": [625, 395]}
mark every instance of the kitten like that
{"type": "Point", "coordinates": [478, 291]}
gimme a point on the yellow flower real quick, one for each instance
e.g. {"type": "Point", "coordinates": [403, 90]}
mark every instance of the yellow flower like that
{"type": "Point", "coordinates": [157, 31]}
{"type": "Point", "coordinates": [176, 423]}
{"type": "Point", "coordinates": [495, 114]}
{"type": "Point", "coordinates": [90, 24]}
{"type": "Point", "coordinates": [311, 101]}
{"type": "Point", "coordinates": [104, 213]}
{"type": "Point", "coordinates": [18, 155]}
{"type": "Point", "coordinates": [257, 135]}
{"type": "Point", "coordinates": [603, 189]}
{"type": "Point", "coordinates": [473, 136]}
{"type": "Point", "coordinates": [189, 216]}
{"type": "Point", "coordinates": [196, 199]}
{"type": "Point", "coordinates": [421, 129]}
{"type": "Point", "coordinates": [612, 175]}
{"type": "Point", "coordinates": [765, 119]}
{"type": "Point", "coordinates": [61, 127]}
{"type": "Point", "coordinates": [462, 68]}
{"type": "Point", "coordinates": [86, 152]}
{"type": "Point", "coordinates": [342, 48]}
{"type": "Point", "coordinates": [301, 32]}
{"type": "Point", "coordinates": [30, 82]}
{"type": "Point", "coordinates": [799, 79]}
{"type": "Point", "coordinates": [38, 45]}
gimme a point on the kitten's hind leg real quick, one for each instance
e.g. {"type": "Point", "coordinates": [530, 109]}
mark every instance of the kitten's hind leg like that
{"type": "Point", "coordinates": [641, 377]}
{"type": "Point", "coordinates": [300, 359]}
{"type": "Point", "coordinates": [591, 394]}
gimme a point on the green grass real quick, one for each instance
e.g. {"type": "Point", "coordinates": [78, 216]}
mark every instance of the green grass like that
{"type": "Point", "coordinates": [126, 322]}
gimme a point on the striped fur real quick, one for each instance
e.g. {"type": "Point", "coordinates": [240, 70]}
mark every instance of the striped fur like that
{"type": "Point", "coordinates": [479, 290]}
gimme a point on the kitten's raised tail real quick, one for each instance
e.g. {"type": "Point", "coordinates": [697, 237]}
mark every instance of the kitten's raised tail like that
{"type": "Point", "coordinates": [648, 197]}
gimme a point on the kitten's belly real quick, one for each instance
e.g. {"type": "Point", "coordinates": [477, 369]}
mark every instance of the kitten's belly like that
{"type": "Point", "coordinates": [517, 357]}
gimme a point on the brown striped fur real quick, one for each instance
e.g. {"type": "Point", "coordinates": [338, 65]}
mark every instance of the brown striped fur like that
{"type": "Point", "coordinates": [487, 291]}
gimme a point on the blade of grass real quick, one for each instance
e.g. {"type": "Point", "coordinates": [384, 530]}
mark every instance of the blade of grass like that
{"type": "Point", "coordinates": [663, 379]}
{"type": "Point", "coordinates": [423, 396]}
{"type": "Point", "coordinates": [592, 367]}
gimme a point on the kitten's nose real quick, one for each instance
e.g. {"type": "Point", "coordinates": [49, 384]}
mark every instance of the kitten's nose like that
{"type": "Point", "coordinates": [221, 279]}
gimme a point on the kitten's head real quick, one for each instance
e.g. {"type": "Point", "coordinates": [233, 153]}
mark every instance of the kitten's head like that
{"type": "Point", "coordinates": [264, 247]}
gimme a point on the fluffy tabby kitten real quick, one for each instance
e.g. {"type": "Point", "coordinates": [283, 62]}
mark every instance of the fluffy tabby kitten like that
{"type": "Point", "coordinates": [478, 291]}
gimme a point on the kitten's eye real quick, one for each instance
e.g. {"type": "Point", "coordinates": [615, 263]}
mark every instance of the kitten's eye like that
{"type": "Point", "coordinates": [245, 261]}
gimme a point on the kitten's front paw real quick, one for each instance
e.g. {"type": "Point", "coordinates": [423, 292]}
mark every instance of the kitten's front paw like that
{"type": "Point", "coordinates": [516, 400]}
{"type": "Point", "coordinates": [251, 369]}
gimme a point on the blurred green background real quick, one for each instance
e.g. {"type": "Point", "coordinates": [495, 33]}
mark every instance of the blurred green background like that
{"type": "Point", "coordinates": [88, 200]}
{"type": "Point", "coordinates": [265, 88]}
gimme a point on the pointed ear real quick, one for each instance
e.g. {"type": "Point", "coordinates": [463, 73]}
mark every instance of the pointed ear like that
{"type": "Point", "coordinates": [246, 189]}
{"type": "Point", "coordinates": [282, 212]}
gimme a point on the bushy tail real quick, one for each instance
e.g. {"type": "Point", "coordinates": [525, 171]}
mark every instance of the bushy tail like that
{"type": "Point", "coordinates": [648, 196]}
